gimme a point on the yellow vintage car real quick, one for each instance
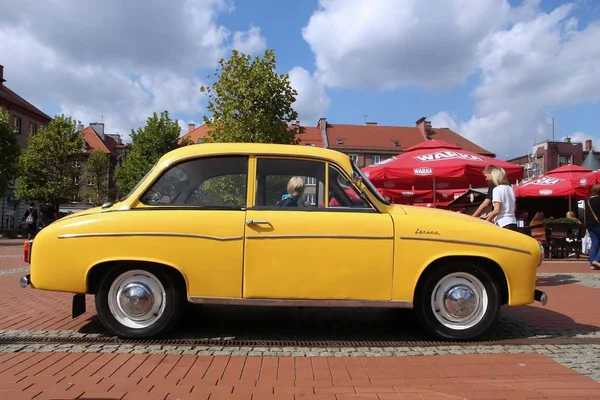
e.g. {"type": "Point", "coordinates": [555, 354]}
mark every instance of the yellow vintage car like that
{"type": "Point", "coordinates": [285, 225]}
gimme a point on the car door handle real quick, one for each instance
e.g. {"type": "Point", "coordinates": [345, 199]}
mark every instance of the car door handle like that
{"type": "Point", "coordinates": [257, 222]}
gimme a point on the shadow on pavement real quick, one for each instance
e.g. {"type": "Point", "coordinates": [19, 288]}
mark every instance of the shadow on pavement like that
{"type": "Point", "coordinates": [557, 280]}
{"type": "Point", "coordinates": [273, 323]}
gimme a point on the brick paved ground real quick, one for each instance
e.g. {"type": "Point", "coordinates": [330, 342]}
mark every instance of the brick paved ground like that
{"type": "Point", "coordinates": [124, 371]}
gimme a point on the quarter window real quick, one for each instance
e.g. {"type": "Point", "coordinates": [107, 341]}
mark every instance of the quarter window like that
{"type": "Point", "coordinates": [208, 182]}
{"type": "Point", "coordinates": [341, 192]}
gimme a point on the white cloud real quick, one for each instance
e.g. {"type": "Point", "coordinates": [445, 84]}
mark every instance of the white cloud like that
{"type": "Point", "coordinates": [250, 41]}
{"type": "Point", "coordinates": [381, 45]}
{"type": "Point", "coordinates": [543, 63]}
{"type": "Point", "coordinates": [444, 120]}
{"type": "Point", "coordinates": [115, 60]}
{"type": "Point", "coordinates": [311, 102]}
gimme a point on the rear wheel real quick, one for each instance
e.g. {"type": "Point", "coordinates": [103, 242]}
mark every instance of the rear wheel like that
{"type": "Point", "coordinates": [458, 301]}
{"type": "Point", "coordinates": [139, 302]}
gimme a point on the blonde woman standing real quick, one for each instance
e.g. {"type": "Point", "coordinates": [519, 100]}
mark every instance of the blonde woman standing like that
{"type": "Point", "coordinates": [503, 201]}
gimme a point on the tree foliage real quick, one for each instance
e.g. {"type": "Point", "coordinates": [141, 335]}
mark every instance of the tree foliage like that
{"type": "Point", "coordinates": [9, 151]}
{"type": "Point", "coordinates": [158, 137]}
{"type": "Point", "coordinates": [97, 171]}
{"type": "Point", "coordinates": [46, 169]}
{"type": "Point", "coordinates": [250, 101]}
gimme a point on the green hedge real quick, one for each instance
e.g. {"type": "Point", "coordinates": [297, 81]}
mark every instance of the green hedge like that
{"type": "Point", "coordinates": [560, 221]}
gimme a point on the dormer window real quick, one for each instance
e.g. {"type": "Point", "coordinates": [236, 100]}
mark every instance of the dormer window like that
{"type": "Point", "coordinates": [340, 141]}
{"type": "Point", "coordinates": [396, 143]}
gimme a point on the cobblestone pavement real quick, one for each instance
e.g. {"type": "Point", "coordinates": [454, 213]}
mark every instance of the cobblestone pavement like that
{"type": "Point", "coordinates": [572, 312]}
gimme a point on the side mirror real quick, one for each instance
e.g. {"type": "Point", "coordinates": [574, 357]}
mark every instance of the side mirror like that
{"type": "Point", "coordinates": [356, 178]}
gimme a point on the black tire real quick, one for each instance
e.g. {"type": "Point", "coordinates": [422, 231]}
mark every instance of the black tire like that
{"type": "Point", "coordinates": [483, 317]}
{"type": "Point", "coordinates": [173, 304]}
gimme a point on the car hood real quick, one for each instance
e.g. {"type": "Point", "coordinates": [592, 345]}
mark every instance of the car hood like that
{"type": "Point", "coordinates": [89, 211]}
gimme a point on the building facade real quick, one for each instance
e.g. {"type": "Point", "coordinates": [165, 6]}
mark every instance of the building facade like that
{"type": "Point", "coordinates": [27, 120]}
{"type": "Point", "coordinates": [548, 155]}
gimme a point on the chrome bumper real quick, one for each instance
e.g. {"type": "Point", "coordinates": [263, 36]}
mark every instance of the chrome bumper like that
{"type": "Point", "coordinates": [540, 296]}
{"type": "Point", "coordinates": [25, 281]}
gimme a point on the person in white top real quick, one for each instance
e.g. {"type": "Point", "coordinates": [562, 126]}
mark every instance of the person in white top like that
{"type": "Point", "coordinates": [503, 201]}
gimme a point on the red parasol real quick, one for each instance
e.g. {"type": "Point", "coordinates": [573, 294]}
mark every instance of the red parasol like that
{"type": "Point", "coordinates": [439, 164]}
{"type": "Point", "coordinates": [565, 181]}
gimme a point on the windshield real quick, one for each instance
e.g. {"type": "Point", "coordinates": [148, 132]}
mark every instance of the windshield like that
{"type": "Point", "coordinates": [137, 185]}
{"type": "Point", "coordinates": [368, 184]}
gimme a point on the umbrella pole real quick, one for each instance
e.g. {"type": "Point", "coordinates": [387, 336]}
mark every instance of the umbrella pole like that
{"type": "Point", "coordinates": [434, 194]}
{"type": "Point", "coordinates": [570, 208]}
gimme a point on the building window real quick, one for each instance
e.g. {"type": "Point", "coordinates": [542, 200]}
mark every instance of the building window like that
{"type": "Point", "coordinates": [76, 163]}
{"type": "Point", "coordinates": [310, 199]}
{"type": "Point", "coordinates": [353, 158]}
{"type": "Point", "coordinates": [340, 141]}
{"type": "Point", "coordinates": [397, 143]}
{"type": "Point", "coordinates": [90, 182]}
{"type": "Point", "coordinates": [376, 159]}
{"type": "Point", "coordinates": [76, 180]}
{"type": "Point", "coordinates": [16, 122]}
{"type": "Point", "coordinates": [564, 159]}
{"type": "Point", "coordinates": [200, 141]}
{"type": "Point", "coordinates": [310, 180]}
{"type": "Point", "coordinates": [32, 128]}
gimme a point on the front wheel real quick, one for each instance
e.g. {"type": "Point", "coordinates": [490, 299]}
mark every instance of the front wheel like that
{"type": "Point", "coordinates": [139, 303]}
{"type": "Point", "coordinates": [458, 301]}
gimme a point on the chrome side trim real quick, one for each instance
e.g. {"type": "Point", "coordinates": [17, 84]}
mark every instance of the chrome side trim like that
{"type": "Point", "coordinates": [300, 302]}
{"type": "Point", "coordinates": [318, 237]}
{"type": "Point", "coordinates": [466, 242]}
{"type": "Point", "coordinates": [166, 234]}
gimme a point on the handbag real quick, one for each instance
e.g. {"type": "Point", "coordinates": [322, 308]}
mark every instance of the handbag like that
{"type": "Point", "coordinates": [592, 210]}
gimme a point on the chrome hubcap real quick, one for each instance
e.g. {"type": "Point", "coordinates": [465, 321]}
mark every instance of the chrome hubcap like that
{"type": "Point", "coordinates": [459, 301]}
{"type": "Point", "coordinates": [136, 299]}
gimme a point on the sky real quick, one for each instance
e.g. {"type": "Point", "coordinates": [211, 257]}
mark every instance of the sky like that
{"type": "Point", "coordinates": [496, 71]}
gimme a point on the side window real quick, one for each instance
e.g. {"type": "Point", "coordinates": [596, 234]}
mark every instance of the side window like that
{"type": "Point", "coordinates": [341, 192]}
{"type": "Point", "coordinates": [207, 182]}
{"type": "Point", "coordinates": [290, 184]}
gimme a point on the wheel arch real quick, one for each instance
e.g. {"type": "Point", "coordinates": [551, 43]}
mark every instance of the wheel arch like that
{"type": "Point", "coordinates": [96, 271]}
{"type": "Point", "coordinates": [488, 264]}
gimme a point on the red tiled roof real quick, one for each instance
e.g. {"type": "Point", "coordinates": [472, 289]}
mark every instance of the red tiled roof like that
{"type": "Point", "coordinates": [307, 135]}
{"type": "Point", "coordinates": [368, 137]}
{"type": "Point", "coordinates": [12, 98]}
{"type": "Point", "coordinates": [448, 135]}
{"type": "Point", "coordinates": [373, 137]}
{"type": "Point", "coordinates": [93, 140]}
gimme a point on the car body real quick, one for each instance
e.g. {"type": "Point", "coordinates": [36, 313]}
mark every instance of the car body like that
{"type": "Point", "coordinates": [204, 226]}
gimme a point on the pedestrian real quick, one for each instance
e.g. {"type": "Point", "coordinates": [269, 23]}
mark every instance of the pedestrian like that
{"type": "Point", "coordinates": [503, 200]}
{"type": "Point", "coordinates": [487, 172]}
{"type": "Point", "coordinates": [592, 213]}
{"type": "Point", "coordinates": [30, 220]}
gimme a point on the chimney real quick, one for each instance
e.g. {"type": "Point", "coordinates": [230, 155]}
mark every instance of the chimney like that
{"type": "Point", "coordinates": [2, 80]}
{"type": "Point", "coordinates": [99, 128]}
{"type": "Point", "coordinates": [425, 128]}
{"type": "Point", "coordinates": [322, 125]}
{"type": "Point", "coordinates": [567, 140]}
{"type": "Point", "coordinates": [588, 145]}
{"type": "Point", "coordinates": [191, 127]}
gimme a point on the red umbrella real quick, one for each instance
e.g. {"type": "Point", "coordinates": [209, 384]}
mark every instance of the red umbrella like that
{"type": "Point", "coordinates": [439, 164]}
{"type": "Point", "coordinates": [406, 196]}
{"type": "Point", "coordinates": [565, 181]}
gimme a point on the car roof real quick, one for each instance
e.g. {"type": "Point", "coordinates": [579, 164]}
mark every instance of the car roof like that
{"type": "Point", "coordinates": [252, 149]}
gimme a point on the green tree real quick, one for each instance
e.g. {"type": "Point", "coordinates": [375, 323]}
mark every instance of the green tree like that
{"type": "Point", "coordinates": [158, 137]}
{"type": "Point", "coordinates": [46, 169]}
{"type": "Point", "coordinates": [250, 102]}
{"type": "Point", "coordinates": [9, 151]}
{"type": "Point", "coordinates": [97, 171]}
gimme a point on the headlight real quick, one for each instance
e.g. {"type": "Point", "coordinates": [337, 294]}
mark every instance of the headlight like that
{"type": "Point", "coordinates": [541, 253]}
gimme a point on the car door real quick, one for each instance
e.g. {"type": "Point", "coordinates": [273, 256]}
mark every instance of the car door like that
{"type": "Point", "coordinates": [314, 249]}
{"type": "Point", "coordinates": [192, 217]}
